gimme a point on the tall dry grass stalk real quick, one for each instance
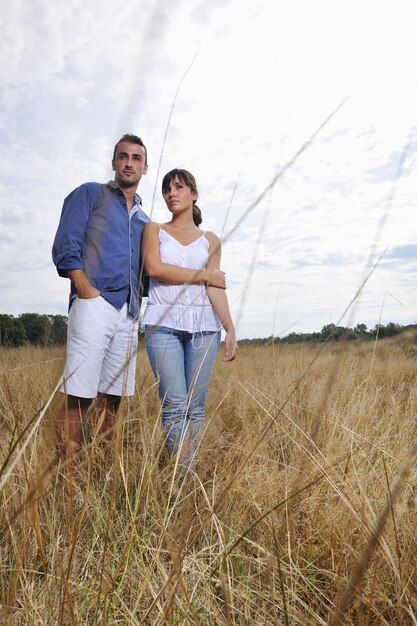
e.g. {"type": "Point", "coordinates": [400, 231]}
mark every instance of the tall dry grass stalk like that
{"type": "Point", "coordinates": [314, 523]}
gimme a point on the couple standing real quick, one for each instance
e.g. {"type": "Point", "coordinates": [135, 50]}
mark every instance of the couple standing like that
{"type": "Point", "coordinates": [104, 243]}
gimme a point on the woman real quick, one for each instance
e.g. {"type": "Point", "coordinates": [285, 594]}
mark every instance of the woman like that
{"type": "Point", "coordinates": [183, 321]}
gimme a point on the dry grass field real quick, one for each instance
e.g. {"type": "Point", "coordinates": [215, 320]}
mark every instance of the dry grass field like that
{"type": "Point", "coordinates": [303, 508]}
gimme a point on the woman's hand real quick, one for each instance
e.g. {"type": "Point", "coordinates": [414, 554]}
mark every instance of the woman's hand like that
{"type": "Point", "coordinates": [230, 347]}
{"type": "Point", "coordinates": [216, 278]}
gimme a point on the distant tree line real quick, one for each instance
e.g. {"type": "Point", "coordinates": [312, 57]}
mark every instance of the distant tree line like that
{"type": "Point", "coordinates": [331, 332]}
{"type": "Point", "coordinates": [33, 328]}
{"type": "Point", "coordinates": [51, 330]}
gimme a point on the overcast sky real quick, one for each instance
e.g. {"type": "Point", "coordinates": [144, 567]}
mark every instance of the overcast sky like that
{"type": "Point", "coordinates": [298, 120]}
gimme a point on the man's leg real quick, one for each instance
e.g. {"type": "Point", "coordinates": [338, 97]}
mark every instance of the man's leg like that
{"type": "Point", "coordinates": [69, 422]}
{"type": "Point", "coordinates": [104, 416]}
{"type": "Point", "coordinates": [69, 428]}
{"type": "Point", "coordinates": [90, 327]}
{"type": "Point", "coordinates": [69, 435]}
{"type": "Point", "coordinates": [102, 423]}
{"type": "Point", "coordinates": [117, 377]}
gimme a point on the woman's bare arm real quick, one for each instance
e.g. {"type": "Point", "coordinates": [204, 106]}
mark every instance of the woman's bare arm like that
{"type": "Point", "coordinates": [173, 273]}
{"type": "Point", "coordinates": [218, 299]}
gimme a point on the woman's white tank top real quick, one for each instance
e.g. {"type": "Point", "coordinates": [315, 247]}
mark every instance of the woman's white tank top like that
{"type": "Point", "coordinates": [181, 306]}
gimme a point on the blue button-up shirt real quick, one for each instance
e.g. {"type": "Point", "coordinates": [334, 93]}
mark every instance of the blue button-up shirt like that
{"type": "Point", "coordinates": [97, 234]}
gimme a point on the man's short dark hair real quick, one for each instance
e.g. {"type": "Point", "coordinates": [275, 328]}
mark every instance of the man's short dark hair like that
{"type": "Point", "coordinates": [131, 139]}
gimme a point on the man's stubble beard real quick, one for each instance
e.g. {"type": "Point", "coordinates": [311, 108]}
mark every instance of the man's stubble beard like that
{"type": "Point", "coordinates": [127, 184]}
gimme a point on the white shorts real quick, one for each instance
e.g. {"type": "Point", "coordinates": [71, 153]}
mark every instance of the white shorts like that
{"type": "Point", "coordinates": [101, 349]}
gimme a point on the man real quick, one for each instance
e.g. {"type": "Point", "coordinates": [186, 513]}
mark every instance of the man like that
{"type": "Point", "coordinates": [97, 246]}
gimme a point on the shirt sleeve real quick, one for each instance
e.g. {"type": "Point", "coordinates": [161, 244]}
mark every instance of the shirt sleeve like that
{"type": "Point", "coordinates": [68, 243]}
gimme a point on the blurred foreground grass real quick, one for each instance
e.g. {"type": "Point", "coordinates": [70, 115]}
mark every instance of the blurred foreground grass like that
{"type": "Point", "coordinates": [302, 447]}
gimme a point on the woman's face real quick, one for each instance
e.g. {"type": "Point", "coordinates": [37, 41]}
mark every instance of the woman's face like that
{"type": "Point", "coordinates": [178, 196]}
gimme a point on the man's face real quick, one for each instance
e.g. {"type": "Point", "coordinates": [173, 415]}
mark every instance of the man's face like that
{"type": "Point", "coordinates": [129, 164]}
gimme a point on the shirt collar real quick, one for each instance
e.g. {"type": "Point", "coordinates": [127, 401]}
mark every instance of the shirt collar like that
{"type": "Point", "coordinates": [115, 187]}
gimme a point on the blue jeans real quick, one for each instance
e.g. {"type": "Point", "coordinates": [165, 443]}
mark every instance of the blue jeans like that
{"type": "Point", "coordinates": [182, 363]}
